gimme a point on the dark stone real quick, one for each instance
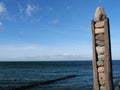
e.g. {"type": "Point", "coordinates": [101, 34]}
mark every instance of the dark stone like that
{"type": "Point", "coordinates": [100, 63]}
{"type": "Point", "coordinates": [99, 37]}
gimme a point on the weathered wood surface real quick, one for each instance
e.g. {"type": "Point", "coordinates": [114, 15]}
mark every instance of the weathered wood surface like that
{"type": "Point", "coordinates": [96, 84]}
{"type": "Point", "coordinates": [107, 61]}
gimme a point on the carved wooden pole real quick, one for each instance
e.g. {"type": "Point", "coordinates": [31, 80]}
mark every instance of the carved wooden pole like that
{"type": "Point", "coordinates": [102, 64]}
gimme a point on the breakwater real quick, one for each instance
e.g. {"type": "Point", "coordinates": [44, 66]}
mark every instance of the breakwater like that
{"type": "Point", "coordinates": [34, 84]}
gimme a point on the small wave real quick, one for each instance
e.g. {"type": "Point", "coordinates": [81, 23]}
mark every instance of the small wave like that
{"type": "Point", "coordinates": [34, 84]}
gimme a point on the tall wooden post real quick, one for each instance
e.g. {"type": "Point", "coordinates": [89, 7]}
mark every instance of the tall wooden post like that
{"type": "Point", "coordinates": [102, 64]}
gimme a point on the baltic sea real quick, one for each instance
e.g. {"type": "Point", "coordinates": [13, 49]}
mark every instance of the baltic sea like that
{"type": "Point", "coordinates": [49, 75]}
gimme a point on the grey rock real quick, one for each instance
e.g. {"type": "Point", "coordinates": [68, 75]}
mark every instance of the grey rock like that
{"type": "Point", "coordinates": [100, 50]}
{"type": "Point", "coordinates": [101, 57]}
{"type": "Point", "coordinates": [100, 14]}
{"type": "Point", "coordinates": [100, 63]}
{"type": "Point", "coordinates": [100, 43]}
{"type": "Point", "coordinates": [102, 88]}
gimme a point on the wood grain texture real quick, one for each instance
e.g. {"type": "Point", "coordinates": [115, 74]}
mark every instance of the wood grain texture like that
{"type": "Point", "coordinates": [107, 61]}
{"type": "Point", "coordinates": [96, 82]}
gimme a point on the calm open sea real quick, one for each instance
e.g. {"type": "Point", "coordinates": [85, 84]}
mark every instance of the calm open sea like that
{"type": "Point", "coordinates": [49, 75]}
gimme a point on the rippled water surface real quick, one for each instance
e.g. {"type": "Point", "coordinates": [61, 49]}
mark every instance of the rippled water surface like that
{"type": "Point", "coordinates": [46, 75]}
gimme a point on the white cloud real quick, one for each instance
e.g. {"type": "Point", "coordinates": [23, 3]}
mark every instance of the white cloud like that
{"type": "Point", "coordinates": [13, 51]}
{"type": "Point", "coordinates": [14, 48]}
{"type": "Point", "coordinates": [37, 52]}
{"type": "Point", "coordinates": [54, 21]}
{"type": "Point", "coordinates": [29, 10]}
{"type": "Point", "coordinates": [58, 57]}
{"type": "Point", "coordinates": [2, 8]}
{"type": "Point", "coordinates": [21, 8]}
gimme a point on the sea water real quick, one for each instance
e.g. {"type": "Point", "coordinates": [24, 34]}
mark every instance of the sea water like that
{"type": "Point", "coordinates": [31, 75]}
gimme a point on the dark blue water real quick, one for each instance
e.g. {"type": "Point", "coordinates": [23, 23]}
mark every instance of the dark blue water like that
{"type": "Point", "coordinates": [21, 74]}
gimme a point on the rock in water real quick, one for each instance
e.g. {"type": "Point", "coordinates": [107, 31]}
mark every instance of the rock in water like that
{"type": "Point", "coordinates": [100, 14]}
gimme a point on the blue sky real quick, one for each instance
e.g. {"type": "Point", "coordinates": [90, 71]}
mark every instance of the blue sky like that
{"type": "Point", "coordinates": [53, 29]}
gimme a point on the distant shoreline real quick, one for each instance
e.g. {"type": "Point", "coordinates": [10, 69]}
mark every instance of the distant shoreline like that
{"type": "Point", "coordinates": [53, 61]}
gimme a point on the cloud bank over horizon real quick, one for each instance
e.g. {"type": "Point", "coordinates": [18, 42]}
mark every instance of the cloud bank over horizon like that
{"type": "Point", "coordinates": [36, 53]}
